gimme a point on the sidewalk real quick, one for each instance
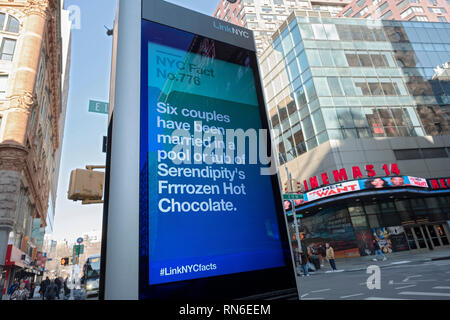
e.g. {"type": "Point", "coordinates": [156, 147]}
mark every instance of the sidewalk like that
{"type": "Point", "coordinates": [395, 258]}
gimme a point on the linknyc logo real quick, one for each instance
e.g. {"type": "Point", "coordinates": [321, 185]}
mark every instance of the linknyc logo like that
{"type": "Point", "coordinates": [233, 30]}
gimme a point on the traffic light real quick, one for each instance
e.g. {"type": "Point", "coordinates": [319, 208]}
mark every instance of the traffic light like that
{"type": "Point", "coordinates": [64, 261]}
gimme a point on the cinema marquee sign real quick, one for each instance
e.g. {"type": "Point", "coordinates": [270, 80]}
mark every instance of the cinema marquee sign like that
{"type": "Point", "coordinates": [342, 174]}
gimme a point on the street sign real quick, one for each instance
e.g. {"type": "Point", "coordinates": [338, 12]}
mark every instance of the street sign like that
{"type": "Point", "coordinates": [98, 107]}
{"type": "Point", "coordinates": [297, 215]}
{"type": "Point", "coordinates": [79, 240]}
{"type": "Point", "coordinates": [293, 196]}
{"type": "Point", "coordinates": [78, 249]}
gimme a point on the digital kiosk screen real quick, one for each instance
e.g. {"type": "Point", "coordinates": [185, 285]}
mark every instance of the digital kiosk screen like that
{"type": "Point", "coordinates": [203, 213]}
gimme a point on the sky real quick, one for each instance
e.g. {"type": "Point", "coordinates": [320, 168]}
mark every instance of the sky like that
{"type": "Point", "coordinates": [84, 131]}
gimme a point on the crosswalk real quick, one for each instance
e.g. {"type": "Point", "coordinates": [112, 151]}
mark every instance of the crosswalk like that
{"type": "Point", "coordinates": [438, 292]}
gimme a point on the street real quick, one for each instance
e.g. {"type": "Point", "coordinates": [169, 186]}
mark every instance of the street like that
{"type": "Point", "coordinates": [402, 280]}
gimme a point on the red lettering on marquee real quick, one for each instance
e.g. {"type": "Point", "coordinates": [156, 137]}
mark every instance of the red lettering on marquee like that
{"type": "Point", "coordinates": [395, 169]}
{"type": "Point", "coordinates": [357, 173]}
{"type": "Point", "coordinates": [435, 184]}
{"type": "Point", "coordinates": [442, 182]}
{"type": "Point", "coordinates": [370, 171]}
{"type": "Point", "coordinates": [340, 175]}
{"type": "Point", "coordinates": [325, 178]}
{"type": "Point", "coordinates": [313, 182]}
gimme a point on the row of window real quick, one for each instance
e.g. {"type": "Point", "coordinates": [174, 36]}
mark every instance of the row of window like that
{"type": "Point", "coordinates": [394, 34]}
{"type": "Point", "coordinates": [348, 123]}
{"type": "Point", "coordinates": [348, 87]}
{"type": "Point", "coordinates": [422, 153]}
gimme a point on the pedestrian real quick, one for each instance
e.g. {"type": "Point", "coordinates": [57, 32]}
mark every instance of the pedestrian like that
{"type": "Point", "coordinates": [66, 289]}
{"type": "Point", "coordinates": [322, 254]}
{"type": "Point", "coordinates": [51, 291]}
{"type": "Point", "coordinates": [13, 288]}
{"type": "Point", "coordinates": [378, 251]}
{"type": "Point", "coordinates": [44, 286]}
{"type": "Point", "coordinates": [330, 256]}
{"type": "Point", "coordinates": [32, 288]}
{"type": "Point", "coordinates": [304, 260]}
{"type": "Point", "coordinates": [59, 286]}
{"type": "Point", "coordinates": [21, 293]}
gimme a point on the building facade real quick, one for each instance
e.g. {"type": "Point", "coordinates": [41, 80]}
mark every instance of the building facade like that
{"type": "Point", "coordinates": [31, 109]}
{"type": "Point", "coordinates": [360, 116]}
{"type": "Point", "coordinates": [408, 10]}
{"type": "Point", "coordinates": [265, 16]}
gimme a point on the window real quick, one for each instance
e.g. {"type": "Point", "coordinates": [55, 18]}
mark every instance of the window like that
{"type": "Point", "coordinates": [348, 12]}
{"type": "Point", "coordinates": [407, 12]}
{"type": "Point", "coordinates": [432, 153]}
{"type": "Point", "coordinates": [387, 15]}
{"type": "Point", "coordinates": [360, 3]}
{"type": "Point", "coordinates": [419, 18]}
{"type": "Point", "coordinates": [13, 25]}
{"type": "Point", "coordinates": [437, 10]}
{"type": "Point", "coordinates": [362, 89]}
{"type": "Point", "coordinates": [2, 20]}
{"type": "Point", "coordinates": [424, 153]}
{"type": "Point", "coordinates": [319, 32]}
{"type": "Point", "coordinates": [363, 11]}
{"type": "Point", "coordinates": [364, 60]}
{"type": "Point", "coordinates": [407, 154]}
{"type": "Point", "coordinates": [3, 86]}
{"type": "Point", "coordinates": [335, 87]}
{"type": "Point", "coordinates": [382, 7]}
{"type": "Point", "coordinates": [7, 49]}
{"type": "Point", "coordinates": [352, 59]}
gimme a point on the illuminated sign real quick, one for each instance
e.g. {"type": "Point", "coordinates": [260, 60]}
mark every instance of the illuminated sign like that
{"type": "Point", "coordinates": [364, 184]}
{"type": "Point", "coordinates": [208, 216]}
{"type": "Point", "coordinates": [341, 175]}
{"type": "Point", "coordinates": [439, 183]}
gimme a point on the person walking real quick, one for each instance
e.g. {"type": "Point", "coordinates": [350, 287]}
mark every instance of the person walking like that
{"type": "Point", "coordinates": [304, 260]}
{"type": "Point", "coordinates": [51, 291]}
{"type": "Point", "coordinates": [32, 288]}
{"type": "Point", "coordinates": [59, 285]}
{"type": "Point", "coordinates": [322, 254]}
{"type": "Point", "coordinates": [13, 288]}
{"type": "Point", "coordinates": [330, 256]}
{"type": "Point", "coordinates": [44, 286]}
{"type": "Point", "coordinates": [378, 251]}
{"type": "Point", "coordinates": [66, 289]}
{"type": "Point", "coordinates": [21, 293]}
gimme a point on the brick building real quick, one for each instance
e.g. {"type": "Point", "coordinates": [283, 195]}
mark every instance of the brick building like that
{"type": "Point", "coordinates": [410, 10]}
{"type": "Point", "coordinates": [265, 16]}
{"type": "Point", "coordinates": [31, 107]}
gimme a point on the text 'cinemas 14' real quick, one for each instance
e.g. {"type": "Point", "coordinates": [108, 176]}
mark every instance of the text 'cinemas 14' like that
{"type": "Point", "coordinates": [342, 174]}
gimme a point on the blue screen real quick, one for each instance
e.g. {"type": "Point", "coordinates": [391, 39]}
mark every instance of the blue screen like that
{"type": "Point", "coordinates": [203, 214]}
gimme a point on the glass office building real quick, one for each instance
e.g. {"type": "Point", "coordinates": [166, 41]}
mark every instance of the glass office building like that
{"type": "Point", "coordinates": [352, 99]}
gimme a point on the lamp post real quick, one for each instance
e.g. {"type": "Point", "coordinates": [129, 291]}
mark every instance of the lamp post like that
{"type": "Point", "coordinates": [297, 234]}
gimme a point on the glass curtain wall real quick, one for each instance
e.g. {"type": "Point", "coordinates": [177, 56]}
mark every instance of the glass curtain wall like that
{"type": "Point", "coordinates": [354, 78]}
